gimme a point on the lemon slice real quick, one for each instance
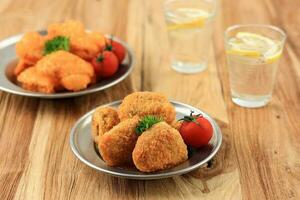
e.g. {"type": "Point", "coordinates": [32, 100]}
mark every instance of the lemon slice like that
{"type": "Point", "coordinates": [273, 58]}
{"type": "Point", "coordinates": [254, 45]}
{"type": "Point", "coordinates": [241, 52]}
{"type": "Point", "coordinates": [253, 38]}
{"type": "Point", "coordinates": [199, 23]}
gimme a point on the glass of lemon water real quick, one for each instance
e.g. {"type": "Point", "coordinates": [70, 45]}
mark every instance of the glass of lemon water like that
{"type": "Point", "coordinates": [189, 26]}
{"type": "Point", "coordinates": [253, 53]}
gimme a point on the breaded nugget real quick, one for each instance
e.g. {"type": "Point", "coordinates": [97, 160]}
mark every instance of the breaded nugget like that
{"type": "Point", "coordinates": [104, 119]}
{"type": "Point", "coordinates": [161, 147]}
{"type": "Point", "coordinates": [83, 44]}
{"type": "Point", "coordinates": [62, 69]}
{"type": "Point", "coordinates": [32, 80]}
{"type": "Point", "coordinates": [147, 103]}
{"type": "Point", "coordinates": [30, 47]}
{"type": "Point", "coordinates": [62, 64]}
{"type": "Point", "coordinates": [88, 46]}
{"type": "Point", "coordinates": [76, 82]}
{"type": "Point", "coordinates": [116, 145]}
{"type": "Point", "coordinates": [98, 38]}
{"type": "Point", "coordinates": [84, 47]}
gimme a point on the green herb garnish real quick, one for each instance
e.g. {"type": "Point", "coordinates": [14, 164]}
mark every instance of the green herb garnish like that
{"type": "Point", "coordinates": [57, 43]}
{"type": "Point", "coordinates": [146, 123]}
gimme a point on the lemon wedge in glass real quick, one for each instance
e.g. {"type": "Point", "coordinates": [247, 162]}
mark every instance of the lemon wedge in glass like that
{"type": "Point", "coordinates": [199, 23]}
{"type": "Point", "coordinates": [187, 18]}
{"type": "Point", "coordinates": [254, 46]}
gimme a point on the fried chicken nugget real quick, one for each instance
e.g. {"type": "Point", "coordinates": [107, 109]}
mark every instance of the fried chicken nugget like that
{"type": "Point", "coordinates": [103, 119]}
{"type": "Point", "coordinates": [161, 147]}
{"type": "Point", "coordinates": [62, 69]}
{"type": "Point", "coordinates": [147, 103]}
{"type": "Point", "coordinates": [30, 48]}
{"type": "Point", "coordinates": [83, 44]}
{"type": "Point", "coordinates": [116, 145]}
{"type": "Point", "coordinates": [88, 46]}
{"type": "Point", "coordinates": [84, 47]}
{"type": "Point", "coordinates": [32, 80]}
{"type": "Point", "coordinates": [98, 38]}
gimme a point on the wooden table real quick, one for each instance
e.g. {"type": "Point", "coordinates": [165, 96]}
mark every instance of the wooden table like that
{"type": "Point", "coordinates": [260, 155]}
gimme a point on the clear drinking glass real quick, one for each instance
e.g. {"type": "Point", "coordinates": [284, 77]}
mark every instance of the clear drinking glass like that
{"type": "Point", "coordinates": [253, 53]}
{"type": "Point", "coordinates": [189, 25]}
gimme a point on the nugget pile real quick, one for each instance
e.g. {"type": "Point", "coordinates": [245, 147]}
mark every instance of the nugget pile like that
{"type": "Point", "coordinates": [68, 68]}
{"type": "Point", "coordinates": [157, 148]}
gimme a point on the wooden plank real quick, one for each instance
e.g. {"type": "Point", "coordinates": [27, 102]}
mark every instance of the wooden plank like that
{"type": "Point", "coordinates": [14, 139]}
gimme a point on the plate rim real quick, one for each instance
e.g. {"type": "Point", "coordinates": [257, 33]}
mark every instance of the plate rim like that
{"type": "Point", "coordinates": [22, 92]}
{"type": "Point", "coordinates": [77, 154]}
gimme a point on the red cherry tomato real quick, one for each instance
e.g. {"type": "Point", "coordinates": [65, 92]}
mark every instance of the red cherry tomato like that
{"type": "Point", "coordinates": [117, 48]}
{"type": "Point", "coordinates": [106, 64]}
{"type": "Point", "coordinates": [196, 131]}
{"type": "Point", "coordinates": [97, 66]}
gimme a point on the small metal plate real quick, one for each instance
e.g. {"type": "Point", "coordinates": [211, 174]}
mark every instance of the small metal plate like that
{"type": "Point", "coordinates": [8, 61]}
{"type": "Point", "coordinates": [82, 146]}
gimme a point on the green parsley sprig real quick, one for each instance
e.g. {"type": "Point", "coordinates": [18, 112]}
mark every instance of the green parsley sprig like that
{"type": "Point", "coordinates": [146, 123]}
{"type": "Point", "coordinates": [57, 43]}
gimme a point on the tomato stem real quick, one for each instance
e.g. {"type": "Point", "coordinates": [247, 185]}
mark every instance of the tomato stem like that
{"type": "Point", "coordinates": [100, 58]}
{"type": "Point", "coordinates": [111, 39]}
{"type": "Point", "coordinates": [191, 114]}
{"type": "Point", "coordinates": [191, 118]}
{"type": "Point", "coordinates": [109, 47]}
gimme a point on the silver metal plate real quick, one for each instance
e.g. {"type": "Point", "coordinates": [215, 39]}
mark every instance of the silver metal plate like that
{"type": "Point", "coordinates": [8, 61]}
{"type": "Point", "coordinates": [82, 146]}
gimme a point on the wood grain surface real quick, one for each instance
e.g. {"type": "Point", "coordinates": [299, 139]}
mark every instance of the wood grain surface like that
{"type": "Point", "coordinates": [260, 155]}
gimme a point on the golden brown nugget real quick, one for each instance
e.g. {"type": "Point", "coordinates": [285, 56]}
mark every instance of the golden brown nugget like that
{"type": "Point", "coordinates": [84, 44]}
{"type": "Point", "coordinates": [116, 145]}
{"type": "Point", "coordinates": [84, 47]}
{"type": "Point", "coordinates": [161, 147]}
{"type": "Point", "coordinates": [30, 48]}
{"type": "Point", "coordinates": [104, 119]}
{"type": "Point", "coordinates": [98, 38]}
{"type": "Point", "coordinates": [61, 70]}
{"type": "Point", "coordinates": [62, 64]}
{"type": "Point", "coordinates": [32, 80]}
{"type": "Point", "coordinates": [147, 103]}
